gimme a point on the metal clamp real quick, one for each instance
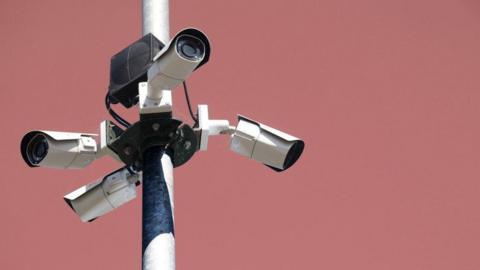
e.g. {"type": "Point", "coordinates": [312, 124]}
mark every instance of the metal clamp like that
{"type": "Point", "coordinates": [176, 137]}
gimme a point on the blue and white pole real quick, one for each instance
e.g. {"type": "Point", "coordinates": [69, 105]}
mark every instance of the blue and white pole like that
{"type": "Point", "coordinates": [158, 239]}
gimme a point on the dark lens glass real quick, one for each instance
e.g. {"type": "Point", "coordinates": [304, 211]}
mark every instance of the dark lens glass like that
{"type": "Point", "coordinates": [190, 48]}
{"type": "Point", "coordinates": [293, 154]}
{"type": "Point", "coordinates": [37, 149]}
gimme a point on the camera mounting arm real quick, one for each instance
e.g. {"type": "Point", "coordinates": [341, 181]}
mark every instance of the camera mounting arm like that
{"type": "Point", "coordinates": [160, 102]}
{"type": "Point", "coordinates": [208, 127]}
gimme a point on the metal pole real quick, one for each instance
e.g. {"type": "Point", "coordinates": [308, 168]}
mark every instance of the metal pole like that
{"type": "Point", "coordinates": [158, 239]}
{"type": "Point", "coordinates": [156, 19]}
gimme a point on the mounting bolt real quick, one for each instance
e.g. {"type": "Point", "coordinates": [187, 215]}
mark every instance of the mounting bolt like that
{"type": "Point", "coordinates": [127, 150]}
{"type": "Point", "coordinates": [187, 145]}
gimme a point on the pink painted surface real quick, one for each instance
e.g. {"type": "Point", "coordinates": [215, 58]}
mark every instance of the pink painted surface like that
{"type": "Point", "coordinates": [385, 94]}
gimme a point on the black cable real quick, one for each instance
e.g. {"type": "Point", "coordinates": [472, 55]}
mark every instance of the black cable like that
{"type": "Point", "coordinates": [115, 116]}
{"type": "Point", "coordinates": [195, 119]}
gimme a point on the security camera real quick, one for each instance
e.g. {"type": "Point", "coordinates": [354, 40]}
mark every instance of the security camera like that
{"type": "Point", "coordinates": [267, 145]}
{"type": "Point", "coordinates": [163, 66]}
{"type": "Point", "coordinates": [97, 199]}
{"type": "Point", "coordinates": [63, 150]}
{"type": "Point", "coordinates": [188, 50]}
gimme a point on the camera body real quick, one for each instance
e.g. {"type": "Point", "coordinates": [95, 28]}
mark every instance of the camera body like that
{"type": "Point", "coordinates": [188, 50]}
{"type": "Point", "coordinates": [103, 196]}
{"type": "Point", "coordinates": [62, 150]}
{"type": "Point", "coordinates": [274, 148]}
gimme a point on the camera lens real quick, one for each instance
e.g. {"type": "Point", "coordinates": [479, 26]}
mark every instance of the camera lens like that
{"type": "Point", "coordinates": [190, 48]}
{"type": "Point", "coordinates": [293, 154]}
{"type": "Point", "coordinates": [37, 149]}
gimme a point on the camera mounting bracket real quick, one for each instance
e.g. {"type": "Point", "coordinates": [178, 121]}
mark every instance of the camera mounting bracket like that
{"type": "Point", "coordinates": [208, 127]}
{"type": "Point", "coordinates": [162, 103]}
{"type": "Point", "coordinates": [175, 136]}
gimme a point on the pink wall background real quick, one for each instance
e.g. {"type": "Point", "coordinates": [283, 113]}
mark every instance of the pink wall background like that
{"type": "Point", "coordinates": [385, 94]}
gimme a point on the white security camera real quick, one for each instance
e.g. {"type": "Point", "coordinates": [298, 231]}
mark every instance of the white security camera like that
{"type": "Point", "coordinates": [63, 150]}
{"type": "Point", "coordinates": [267, 145]}
{"type": "Point", "coordinates": [187, 51]}
{"type": "Point", "coordinates": [97, 199]}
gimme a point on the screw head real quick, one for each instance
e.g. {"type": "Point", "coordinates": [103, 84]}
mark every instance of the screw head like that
{"type": "Point", "coordinates": [127, 150]}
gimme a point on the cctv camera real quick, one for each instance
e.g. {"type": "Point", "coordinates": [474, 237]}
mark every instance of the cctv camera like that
{"type": "Point", "coordinates": [61, 150]}
{"type": "Point", "coordinates": [97, 199]}
{"type": "Point", "coordinates": [267, 145]}
{"type": "Point", "coordinates": [186, 52]}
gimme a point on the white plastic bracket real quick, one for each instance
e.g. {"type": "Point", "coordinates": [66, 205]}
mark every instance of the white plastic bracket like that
{"type": "Point", "coordinates": [103, 149]}
{"type": "Point", "coordinates": [210, 127]}
{"type": "Point", "coordinates": [158, 104]}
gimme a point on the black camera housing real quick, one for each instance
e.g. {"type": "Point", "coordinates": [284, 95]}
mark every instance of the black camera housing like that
{"type": "Point", "coordinates": [129, 67]}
